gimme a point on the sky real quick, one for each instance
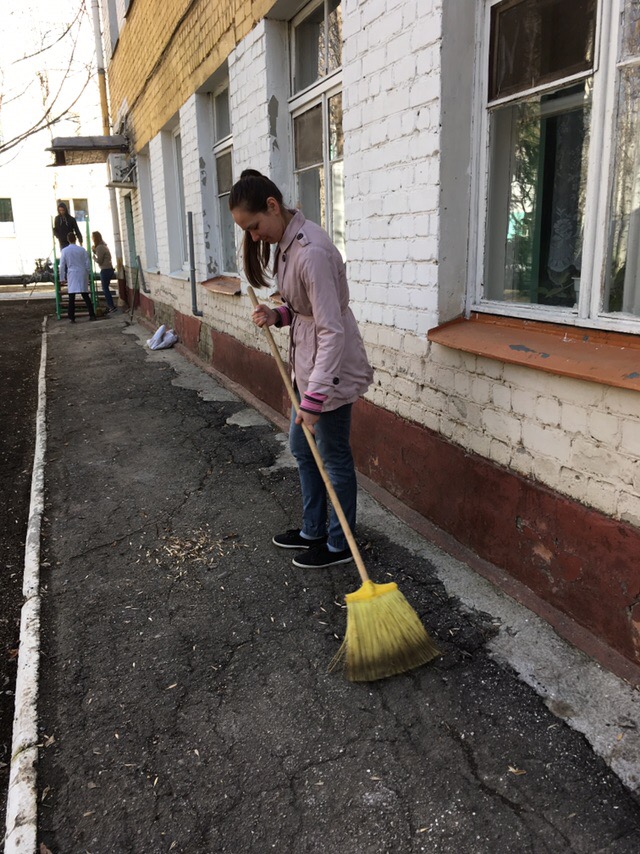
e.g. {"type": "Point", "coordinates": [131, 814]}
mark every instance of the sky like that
{"type": "Point", "coordinates": [47, 70]}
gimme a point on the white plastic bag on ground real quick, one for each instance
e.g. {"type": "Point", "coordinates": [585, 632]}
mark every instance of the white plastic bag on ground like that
{"type": "Point", "coordinates": [156, 338]}
{"type": "Point", "coordinates": [168, 340]}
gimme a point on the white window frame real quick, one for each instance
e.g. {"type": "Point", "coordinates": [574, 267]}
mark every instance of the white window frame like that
{"type": "Point", "coordinates": [318, 92]}
{"type": "Point", "coordinates": [597, 211]}
{"type": "Point", "coordinates": [148, 210]}
{"type": "Point", "coordinates": [178, 176]}
{"type": "Point", "coordinates": [8, 226]}
{"type": "Point", "coordinates": [304, 13]}
{"type": "Point", "coordinates": [222, 146]}
{"type": "Point", "coordinates": [114, 23]}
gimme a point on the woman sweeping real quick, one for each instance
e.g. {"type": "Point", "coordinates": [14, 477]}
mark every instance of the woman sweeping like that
{"type": "Point", "coordinates": [327, 355]}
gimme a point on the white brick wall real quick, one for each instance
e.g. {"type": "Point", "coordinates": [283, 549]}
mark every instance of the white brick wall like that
{"type": "Point", "coordinates": [248, 99]}
{"type": "Point", "coordinates": [578, 438]}
{"type": "Point", "coordinates": [391, 120]}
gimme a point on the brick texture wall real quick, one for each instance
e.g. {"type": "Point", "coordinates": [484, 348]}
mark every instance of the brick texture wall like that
{"type": "Point", "coordinates": [166, 50]}
{"type": "Point", "coordinates": [577, 438]}
{"type": "Point", "coordinates": [581, 439]}
{"type": "Point", "coordinates": [391, 98]}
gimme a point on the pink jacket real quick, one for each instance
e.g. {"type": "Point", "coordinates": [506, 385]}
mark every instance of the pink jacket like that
{"type": "Point", "coordinates": [327, 353]}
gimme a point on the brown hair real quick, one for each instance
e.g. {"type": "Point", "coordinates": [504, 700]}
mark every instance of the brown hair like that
{"type": "Point", "coordinates": [251, 193]}
{"type": "Point", "coordinates": [97, 238]}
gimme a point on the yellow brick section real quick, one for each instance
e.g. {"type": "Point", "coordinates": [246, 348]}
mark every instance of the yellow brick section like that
{"type": "Point", "coordinates": [169, 48]}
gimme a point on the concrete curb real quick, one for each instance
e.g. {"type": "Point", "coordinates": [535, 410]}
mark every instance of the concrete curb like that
{"type": "Point", "coordinates": [22, 801]}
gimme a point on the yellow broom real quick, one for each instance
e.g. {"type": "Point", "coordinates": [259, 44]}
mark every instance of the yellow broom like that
{"type": "Point", "coordinates": [384, 635]}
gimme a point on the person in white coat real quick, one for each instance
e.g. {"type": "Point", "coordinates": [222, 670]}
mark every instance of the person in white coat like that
{"type": "Point", "coordinates": [75, 269]}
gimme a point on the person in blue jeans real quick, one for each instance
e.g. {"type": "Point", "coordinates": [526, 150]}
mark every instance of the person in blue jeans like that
{"type": "Point", "coordinates": [332, 438]}
{"type": "Point", "coordinates": [327, 356]}
{"type": "Point", "coordinates": [103, 256]}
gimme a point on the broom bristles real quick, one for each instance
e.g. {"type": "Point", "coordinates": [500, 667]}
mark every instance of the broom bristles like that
{"type": "Point", "coordinates": [384, 635]}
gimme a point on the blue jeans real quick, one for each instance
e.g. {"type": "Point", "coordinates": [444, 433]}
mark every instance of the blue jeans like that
{"type": "Point", "coordinates": [332, 439]}
{"type": "Point", "coordinates": [105, 277]}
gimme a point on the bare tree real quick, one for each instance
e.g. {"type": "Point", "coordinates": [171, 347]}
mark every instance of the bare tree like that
{"type": "Point", "coordinates": [61, 86]}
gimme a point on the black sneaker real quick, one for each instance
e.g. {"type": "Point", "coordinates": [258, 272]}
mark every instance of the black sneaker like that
{"type": "Point", "coordinates": [320, 556]}
{"type": "Point", "coordinates": [291, 539]}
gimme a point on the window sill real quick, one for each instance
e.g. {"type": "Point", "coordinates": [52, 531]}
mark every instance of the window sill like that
{"type": "Point", "coordinates": [223, 285]}
{"type": "Point", "coordinates": [609, 358]}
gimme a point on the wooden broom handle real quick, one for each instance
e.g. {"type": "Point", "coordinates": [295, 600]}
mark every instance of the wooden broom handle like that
{"type": "Point", "coordinates": [355, 551]}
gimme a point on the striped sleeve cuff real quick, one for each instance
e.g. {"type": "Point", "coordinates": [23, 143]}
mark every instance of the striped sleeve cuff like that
{"type": "Point", "coordinates": [284, 316]}
{"type": "Point", "coordinates": [313, 402]}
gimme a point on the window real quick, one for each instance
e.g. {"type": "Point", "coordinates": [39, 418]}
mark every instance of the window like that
{"type": "Point", "coordinates": [179, 196]}
{"type": "Point", "coordinates": [560, 204]}
{"type": "Point", "coordinates": [114, 29]}
{"type": "Point", "coordinates": [623, 256]}
{"type": "Point", "coordinates": [6, 210]}
{"type": "Point", "coordinates": [6, 218]}
{"type": "Point", "coordinates": [148, 209]}
{"type": "Point", "coordinates": [317, 43]}
{"type": "Point", "coordinates": [131, 232]}
{"type": "Point", "coordinates": [173, 220]}
{"type": "Point", "coordinates": [316, 109]}
{"type": "Point", "coordinates": [222, 150]}
{"type": "Point", "coordinates": [81, 210]}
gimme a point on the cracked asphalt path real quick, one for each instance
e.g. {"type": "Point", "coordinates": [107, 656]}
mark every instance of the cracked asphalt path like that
{"type": "Point", "coordinates": [185, 703]}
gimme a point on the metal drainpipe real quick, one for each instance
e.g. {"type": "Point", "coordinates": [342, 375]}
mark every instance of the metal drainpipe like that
{"type": "Point", "coordinates": [106, 129]}
{"type": "Point", "coordinates": [192, 264]}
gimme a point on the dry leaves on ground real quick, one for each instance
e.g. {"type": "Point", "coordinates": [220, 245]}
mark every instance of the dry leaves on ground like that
{"type": "Point", "coordinates": [199, 547]}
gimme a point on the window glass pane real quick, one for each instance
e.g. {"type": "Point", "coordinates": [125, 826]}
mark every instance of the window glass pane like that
{"type": "Point", "coordinates": [227, 230]}
{"type": "Point", "coordinates": [222, 116]}
{"type": "Point", "coordinates": [337, 206]}
{"type": "Point", "coordinates": [624, 266]}
{"type": "Point", "coordinates": [537, 183]}
{"type": "Point", "coordinates": [309, 50]}
{"type": "Point", "coordinates": [311, 194]}
{"type": "Point", "coordinates": [227, 233]}
{"type": "Point", "coordinates": [631, 30]}
{"type": "Point", "coordinates": [334, 57]}
{"type": "Point", "coordinates": [6, 210]}
{"type": "Point", "coordinates": [224, 173]}
{"type": "Point", "coordinates": [81, 209]}
{"type": "Point", "coordinates": [131, 232]}
{"type": "Point", "coordinates": [336, 137]}
{"type": "Point", "coordinates": [177, 141]}
{"type": "Point", "coordinates": [539, 41]}
{"type": "Point", "coordinates": [307, 130]}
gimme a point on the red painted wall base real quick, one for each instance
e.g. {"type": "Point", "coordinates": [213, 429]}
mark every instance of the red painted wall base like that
{"type": "Point", "coordinates": [577, 559]}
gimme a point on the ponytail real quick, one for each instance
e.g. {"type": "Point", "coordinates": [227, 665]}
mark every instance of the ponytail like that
{"type": "Point", "coordinates": [251, 193]}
